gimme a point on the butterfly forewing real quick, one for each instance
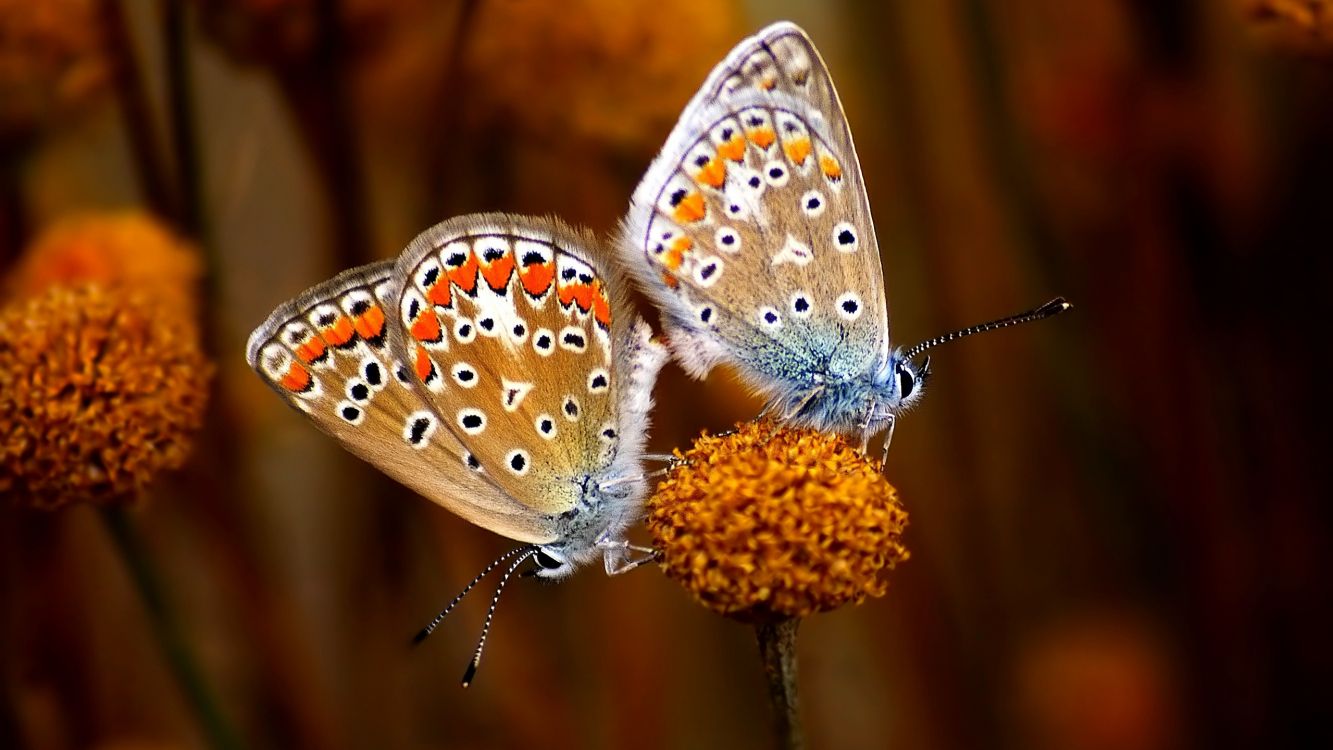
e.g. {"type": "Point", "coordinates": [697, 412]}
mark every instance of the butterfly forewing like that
{"type": "Point", "coordinates": [752, 229]}
{"type": "Point", "coordinates": [508, 323]}
{"type": "Point", "coordinates": [330, 354]}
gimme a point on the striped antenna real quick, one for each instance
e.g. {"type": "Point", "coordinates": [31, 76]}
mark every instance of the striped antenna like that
{"type": "Point", "coordinates": [490, 615]}
{"type": "Point", "coordinates": [426, 631]}
{"type": "Point", "coordinates": [1054, 307]}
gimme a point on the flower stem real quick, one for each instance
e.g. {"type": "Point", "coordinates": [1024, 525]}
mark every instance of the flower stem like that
{"type": "Point", "coordinates": [777, 648]}
{"type": "Point", "coordinates": [217, 732]}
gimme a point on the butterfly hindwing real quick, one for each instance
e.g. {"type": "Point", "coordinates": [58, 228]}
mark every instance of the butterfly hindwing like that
{"type": "Point", "coordinates": [752, 229]}
{"type": "Point", "coordinates": [519, 337]}
{"type": "Point", "coordinates": [330, 353]}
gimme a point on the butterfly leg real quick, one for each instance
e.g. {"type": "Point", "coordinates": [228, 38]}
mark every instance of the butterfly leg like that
{"type": "Point", "coordinates": [888, 439]}
{"type": "Point", "coordinates": [616, 556]}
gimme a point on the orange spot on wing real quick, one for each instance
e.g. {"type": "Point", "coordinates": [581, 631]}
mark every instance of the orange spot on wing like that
{"type": "Point", "coordinates": [537, 278]}
{"type": "Point", "coordinates": [370, 324]}
{"type": "Point", "coordinates": [797, 149]}
{"type": "Point", "coordinates": [733, 149]}
{"type": "Point", "coordinates": [339, 332]}
{"type": "Point", "coordinates": [713, 174]}
{"type": "Point", "coordinates": [767, 84]}
{"type": "Point", "coordinates": [601, 306]}
{"type": "Point", "coordinates": [762, 136]}
{"type": "Point", "coordinates": [580, 294]}
{"type": "Point", "coordinates": [498, 271]}
{"type": "Point", "coordinates": [676, 252]}
{"type": "Point", "coordinates": [422, 365]}
{"type": "Point", "coordinates": [465, 276]}
{"type": "Point", "coordinates": [691, 208]}
{"type": "Point", "coordinates": [670, 280]}
{"type": "Point", "coordinates": [440, 293]}
{"type": "Point", "coordinates": [830, 167]}
{"type": "Point", "coordinates": [311, 349]}
{"type": "Point", "coordinates": [426, 327]}
{"type": "Point", "coordinates": [297, 379]}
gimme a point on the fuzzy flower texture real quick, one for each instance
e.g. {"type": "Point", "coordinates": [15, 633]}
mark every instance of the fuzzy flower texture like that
{"type": "Point", "coordinates": [103, 380]}
{"type": "Point", "coordinates": [97, 397]}
{"type": "Point", "coordinates": [766, 523]}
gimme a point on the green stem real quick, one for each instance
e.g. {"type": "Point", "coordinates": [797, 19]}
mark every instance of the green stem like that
{"type": "Point", "coordinates": [777, 648]}
{"type": "Point", "coordinates": [217, 732]}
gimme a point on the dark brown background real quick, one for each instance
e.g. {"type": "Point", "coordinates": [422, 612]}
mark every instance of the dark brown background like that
{"type": "Point", "coordinates": [1120, 523]}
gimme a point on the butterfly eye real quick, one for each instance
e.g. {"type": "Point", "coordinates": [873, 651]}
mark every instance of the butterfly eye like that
{"type": "Point", "coordinates": [906, 382]}
{"type": "Point", "coordinates": [547, 561]}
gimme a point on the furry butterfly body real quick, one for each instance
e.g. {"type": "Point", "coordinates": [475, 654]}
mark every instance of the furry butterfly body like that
{"type": "Point", "coordinates": [495, 368]}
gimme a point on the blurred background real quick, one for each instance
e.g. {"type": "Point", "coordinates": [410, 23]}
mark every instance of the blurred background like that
{"type": "Point", "coordinates": [1119, 518]}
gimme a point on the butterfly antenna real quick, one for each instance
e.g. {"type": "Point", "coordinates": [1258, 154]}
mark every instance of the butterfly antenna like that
{"type": "Point", "coordinates": [490, 615]}
{"type": "Point", "coordinates": [426, 631]}
{"type": "Point", "coordinates": [1054, 307]}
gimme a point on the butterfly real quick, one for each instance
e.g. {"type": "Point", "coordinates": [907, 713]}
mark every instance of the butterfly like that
{"type": "Point", "coordinates": [752, 234]}
{"type": "Point", "coordinates": [495, 368]}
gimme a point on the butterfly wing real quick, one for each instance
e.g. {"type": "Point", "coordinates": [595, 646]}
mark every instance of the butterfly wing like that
{"type": "Point", "coordinates": [330, 354]}
{"type": "Point", "coordinates": [519, 337]}
{"type": "Point", "coordinates": [752, 229]}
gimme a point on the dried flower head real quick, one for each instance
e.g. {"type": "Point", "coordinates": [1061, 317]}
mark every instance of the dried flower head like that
{"type": "Point", "coordinates": [770, 522]}
{"type": "Point", "coordinates": [604, 71]}
{"type": "Point", "coordinates": [51, 62]}
{"type": "Point", "coordinates": [1299, 24]}
{"type": "Point", "coordinates": [98, 393]}
{"type": "Point", "coordinates": [129, 247]}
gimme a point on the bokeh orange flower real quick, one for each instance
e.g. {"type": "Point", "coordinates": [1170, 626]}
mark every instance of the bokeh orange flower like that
{"type": "Point", "coordinates": [99, 392]}
{"type": "Point", "coordinates": [768, 523]}
{"type": "Point", "coordinates": [1301, 24]}
{"type": "Point", "coordinates": [52, 62]}
{"type": "Point", "coordinates": [635, 66]}
{"type": "Point", "coordinates": [114, 248]}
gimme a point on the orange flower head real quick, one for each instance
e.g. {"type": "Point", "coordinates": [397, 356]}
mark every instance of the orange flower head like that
{"type": "Point", "coordinates": [771, 522]}
{"type": "Point", "coordinates": [99, 392]}
{"type": "Point", "coordinates": [130, 248]}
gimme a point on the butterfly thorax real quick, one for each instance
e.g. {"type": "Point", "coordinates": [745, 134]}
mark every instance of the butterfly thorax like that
{"type": "Point", "coordinates": [862, 404]}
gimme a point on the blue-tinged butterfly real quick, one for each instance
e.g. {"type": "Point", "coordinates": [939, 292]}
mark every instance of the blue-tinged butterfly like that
{"type": "Point", "coordinates": [495, 368]}
{"type": "Point", "coordinates": [752, 233]}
